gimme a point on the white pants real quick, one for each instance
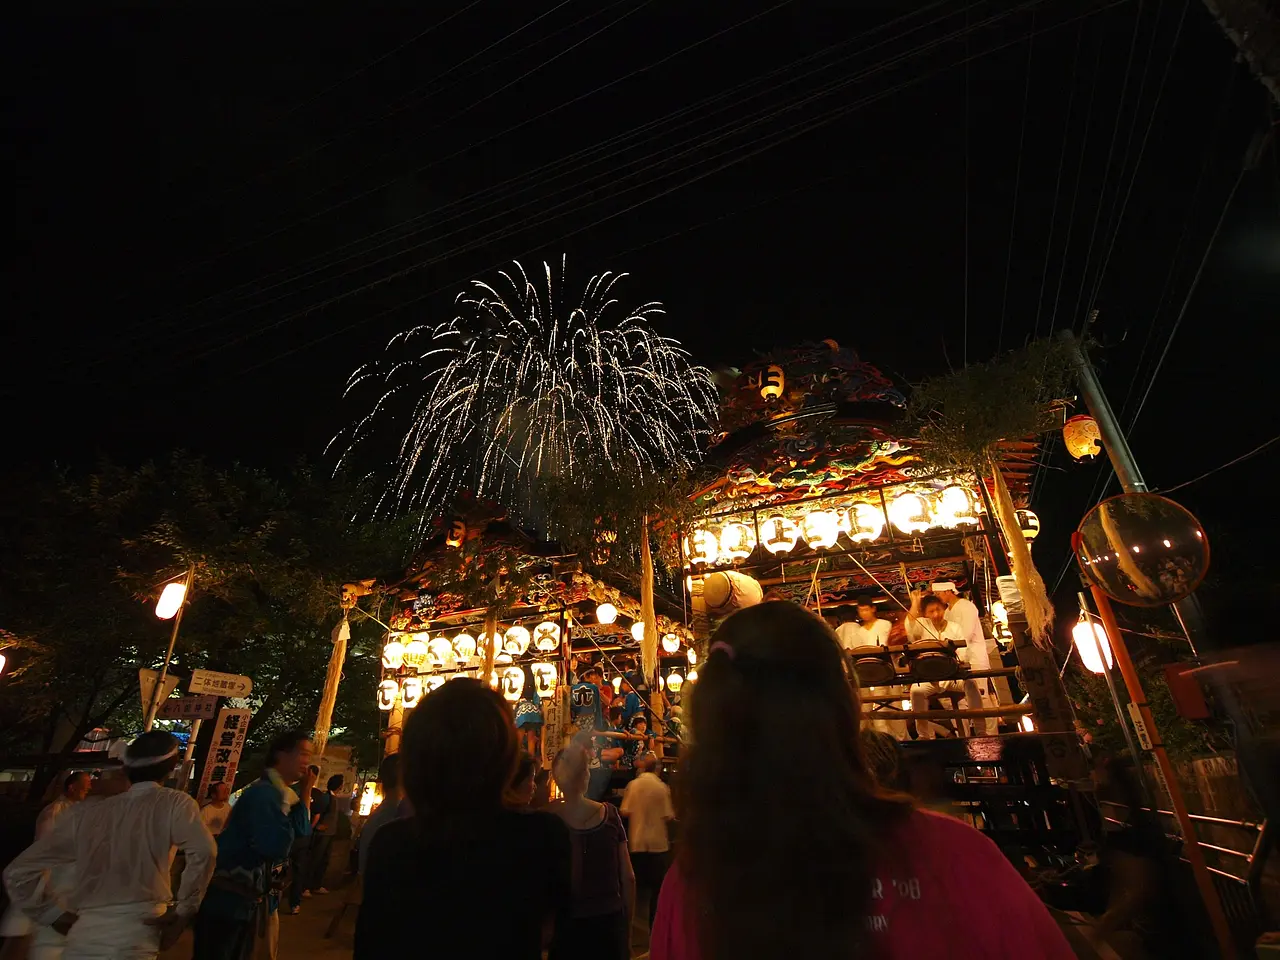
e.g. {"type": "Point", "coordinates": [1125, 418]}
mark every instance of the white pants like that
{"type": "Point", "coordinates": [896, 728]}
{"type": "Point", "coordinates": [920, 693]}
{"type": "Point", "coordinates": [115, 933]}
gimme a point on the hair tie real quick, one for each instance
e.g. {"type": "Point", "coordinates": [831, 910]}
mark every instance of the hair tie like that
{"type": "Point", "coordinates": [721, 645]}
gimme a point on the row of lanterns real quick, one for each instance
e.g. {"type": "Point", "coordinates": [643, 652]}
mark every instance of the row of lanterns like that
{"type": "Point", "coordinates": [953, 507]}
{"type": "Point", "coordinates": [420, 654]}
{"type": "Point", "coordinates": [411, 689]}
{"type": "Point", "coordinates": [607, 613]}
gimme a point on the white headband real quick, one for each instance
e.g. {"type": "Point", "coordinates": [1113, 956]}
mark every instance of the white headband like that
{"type": "Point", "coordinates": [149, 761]}
{"type": "Point", "coordinates": [943, 585]}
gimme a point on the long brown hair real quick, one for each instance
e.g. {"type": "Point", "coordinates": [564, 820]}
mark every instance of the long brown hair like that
{"type": "Point", "coordinates": [781, 815]}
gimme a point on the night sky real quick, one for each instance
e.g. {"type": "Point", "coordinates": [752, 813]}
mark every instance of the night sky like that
{"type": "Point", "coordinates": [219, 216]}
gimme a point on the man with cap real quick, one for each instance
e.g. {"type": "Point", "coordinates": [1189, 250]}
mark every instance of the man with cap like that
{"type": "Point", "coordinates": [117, 906]}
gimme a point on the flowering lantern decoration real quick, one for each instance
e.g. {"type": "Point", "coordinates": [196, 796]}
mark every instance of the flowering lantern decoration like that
{"type": "Point", "coordinates": [779, 534]}
{"type": "Point", "coordinates": [821, 529]}
{"type": "Point", "coordinates": [388, 690]}
{"type": "Point", "coordinates": [544, 679]}
{"type": "Point", "coordinates": [411, 692]}
{"type": "Point", "coordinates": [393, 654]}
{"type": "Point", "coordinates": [1081, 437]}
{"type": "Point", "coordinates": [866, 523]}
{"type": "Point", "coordinates": [909, 512]}
{"type": "Point", "coordinates": [546, 636]}
{"type": "Point", "coordinates": [516, 640]}
{"type": "Point", "coordinates": [512, 684]}
{"type": "Point", "coordinates": [416, 653]}
{"type": "Point", "coordinates": [670, 642]}
{"type": "Point", "coordinates": [606, 613]}
{"type": "Point", "coordinates": [702, 547]}
{"type": "Point", "coordinates": [737, 541]}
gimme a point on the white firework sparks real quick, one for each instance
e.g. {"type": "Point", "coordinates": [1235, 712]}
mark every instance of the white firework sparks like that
{"type": "Point", "coordinates": [522, 385]}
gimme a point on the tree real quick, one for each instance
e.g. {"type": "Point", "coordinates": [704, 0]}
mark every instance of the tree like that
{"type": "Point", "coordinates": [87, 556]}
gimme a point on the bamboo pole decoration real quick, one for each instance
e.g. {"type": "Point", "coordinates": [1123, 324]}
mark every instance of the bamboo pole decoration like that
{"type": "Point", "coordinates": [1035, 598]}
{"type": "Point", "coordinates": [324, 719]}
{"type": "Point", "coordinates": [490, 642]}
{"type": "Point", "coordinates": [1190, 846]}
{"type": "Point", "coordinates": [649, 643]}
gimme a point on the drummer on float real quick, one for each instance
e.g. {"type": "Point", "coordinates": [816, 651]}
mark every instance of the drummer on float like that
{"type": "Point", "coordinates": [930, 619]}
{"type": "Point", "coordinates": [870, 630]}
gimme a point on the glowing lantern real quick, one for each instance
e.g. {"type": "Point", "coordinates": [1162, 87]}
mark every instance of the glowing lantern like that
{"type": "Point", "coordinates": [909, 512]}
{"type": "Point", "coordinates": [702, 547]}
{"type": "Point", "coordinates": [661, 684]}
{"type": "Point", "coordinates": [464, 647]}
{"type": "Point", "coordinates": [441, 651]}
{"type": "Point", "coordinates": [693, 656]}
{"type": "Point", "coordinates": [544, 679]}
{"type": "Point", "coordinates": [606, 613]}
{"type": "Point", "coordinates": [737, 541]}
{"type": "Point", "coordinates": [457, 533]}
{"type": "Point", "coordinates": [692, 677]}
{"type": "Point", "coordinates": [866, 522]}
{"type": "Point", "coordinates": [411, 692]}
{"type": "Point", "coordinates": [780, 534]}
{"type": "Point", "coordinates": [393, 654]}
{"type": "Point", "coordinates": [1084, 634]}
{"type": "Point", "coordinates": [772, 382]}
{"type": "Point", "coordinates": [1081, 437]}
{"type": "Point", "coordinates": [489, 640]}
{"type": "Point", "coordinates": [171, 598]}
{"type": "Point", "coordinates": [512, 684]}
{"type": "Point", "coordinates": [388, 690]}
{"type": "Point", "coordinates": [1028, 724]}
{"type": "Point", "coordinates": [637, 631]}
{"type": "Point", "coordinates": [617, 685]}
{"type": "Point", "coordinates": [955, 507]}
{"type": "Point", "coordinates": [546, 636]}
{"type": "Point", "coordinates": [821, 529]}
{"type": "Point", "coordinates": [999, 613]}
{"type": "Point", "coordinates": [1029, 523]}
{"type": "Point", "coordinates": [434, 683]}
{"type": "Point", "coordinates": [516, 640]}
{"type": "Point", "coordinates": [670, 642]}
{"type": "Point", "coordinates": [675, 682]}
{"type": "Point", "coordinates": [503, 657]}
{"type": "Point", "coordinates": [416, 653]}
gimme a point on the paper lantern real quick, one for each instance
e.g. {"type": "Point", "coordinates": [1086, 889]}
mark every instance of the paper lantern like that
{"type": "Point", "coordinates": [779, 534]}
{"type": "Point", "coordinates": [692, 677]}
{"type": "Point", "coordinates": [512, 684]}
{"type": "Point", "coordinates": [637, 631]}
{"type": "Point", "coordinates": [1028, 725]}
{"type": "Point", "coordinates": [702, 547]}
{"type": "Point", "coordinates": [393, 654]}
{"type": "Point", "coordinates": [1081, 437]}
{"type": "Point", "coordinates": [503, 657]}
{"type": "Point", "coordinates": [737, 541]}
{"type": "Point", "coordinates": [821, 529]}
{"type": "Point", "coordinates": [544, 679]}
{"type": "Point", "coordinates": [866, 523]}
{"type": "Point", "coordinates": [464, 647]}
{"type": "Point", "coordinates": [692, 655]}
{"type": "Point", "coordinates": [674, 682]}
{"type": "Point", "coordinates": [727, 591]}
{"type": "Point", "coordinates": [457, 534]}
{"type": "Point", "coordinates": [416, 653]}
{"type": "Point", "coordinates": [388, 690]}
{"type": "Point", "coordinates": [617, 685]}
{"type": "Point", "coordinates": [1143, 549]}
{"type": "Point", "coordinates": [606, 613]}
{"type": "Point", "coordinates": [670, 642]}
{"type": "Point", "coordinates": [441, 651]}
{"type": "Point", "coordinates": [171, 598]}
{"type": "Point", "coordinates": [516, 640]}
{"type": "Point", "coordinates": [1029, 523]}
{"type": "Point", "coordinates": [772, 382]}
{"type": "Point", "coordinates": [546, 636]}
{"type": "Point", "coordinates": [956, 507]}
{"type": "Point", "coordinates": [437, 681]}
{"type": "Point", "coordinates": [910, 513]}
{"type": "Point", "coordinates": [1084, 634]}
{"type": "Point", "coordinates": [999, 614]}
{"type": "Point", "coordinates": [411, 692]}
{"type": "Point", "coordinates": [491, 641]}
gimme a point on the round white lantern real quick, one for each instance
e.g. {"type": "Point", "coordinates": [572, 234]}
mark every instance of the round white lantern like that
{"type": "Point", "coordinates": [637, 631]}
{"type": "Point", "coordinates": [693, 656]}
{"type": "Point", "coordinates": [516, 640]}
{"type": "Point", "coordinates": [503, 657]}
{"type": "Point", "coordinates": [1088, 637]}
{"type": "Point", "coordinates": [544, 679]}
{"type": "Point", "coordinates": [512, 684]}
{"type": "Point", "coordinates": [441, 651]}
{"type": "Point", "coordinates": [866, 523]}
{"type": "Point", "coordinates": [692, 677]}
{"type": "Point", "coordinates": [606, 613]}
{"type": "Point", "coordinates": [956, 508]}
{"type": "Point", "coordinates": [411, 692]}
{"type": "Point", "coordinates": [388, 690]}
{"type": "Point", "coordinates": [821, 529]}
{"type": "Point", "coordinates": [910, 513]}
{"type": "Point", "coordinates": [416, 653]}
{"type": "Point", "coordinates": [1029, 523]}
{"type": "Point", "coordinates": [436, 681]}
{"type": "Point", "coordinates": [546, 636]}
{"type": "Point", "coordinates": [393, 654]}
{"type": "Point", "coordinates": [675, 682]}
{"type": "Point", "coordinates": [702, 547]}
{"type": "Point", "coordinates": [779, 534]}
{"type": "Point", "coordinates": [737, 541]}
{"type": "Point", "coordinates": [670, 642]}
{"type": "Point", "coordinates": [464, 647]}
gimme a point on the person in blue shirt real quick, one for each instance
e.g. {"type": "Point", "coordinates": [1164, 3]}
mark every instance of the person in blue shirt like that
{"type": "Point", "coordinates": [241, 904]}
{"type": "Point", "coordinates": [631, 703]}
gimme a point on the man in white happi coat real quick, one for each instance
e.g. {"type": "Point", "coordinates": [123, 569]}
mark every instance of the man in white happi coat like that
{"type": "Point", "coordinates": [869, 630]}
{"type": "Point", "coordinates": [119, 905]}
{"type": "Point", "coordinates": [964, 614]}
{"type": "Point", "coordinates": [927, 620]}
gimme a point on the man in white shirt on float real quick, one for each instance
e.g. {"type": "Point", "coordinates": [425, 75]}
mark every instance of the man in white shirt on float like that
{"type": "Point", "coordinates": [117, 905]}
{"type": "Point", "coordinates": [964, 614]}
{"type": "Point", "coordinates": [646, 803]}
{"type": "Point", "coordinates": [869, 630]}
{"type": "Point", "coordinates": [927, 620]}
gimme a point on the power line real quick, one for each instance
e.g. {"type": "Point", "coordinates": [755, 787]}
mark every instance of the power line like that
{"type": "Point", "coordinates": [1230, 463]}
{"type": "Point", "coordinates": [1017, 181]}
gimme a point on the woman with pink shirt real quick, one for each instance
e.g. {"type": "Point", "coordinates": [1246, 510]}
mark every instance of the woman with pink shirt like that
{"type": "Point", "coordinates": [790, 849]}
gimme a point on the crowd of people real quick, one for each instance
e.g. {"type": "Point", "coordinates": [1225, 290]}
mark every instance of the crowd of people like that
{"type": "Point", "coordinates": [791, 842]}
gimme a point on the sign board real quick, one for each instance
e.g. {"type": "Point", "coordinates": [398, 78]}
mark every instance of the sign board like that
{"type": "Point", "coordinates": [198, 707]}
{"type": "Point", "coordinates": [225, 748]}
{"type": "Point", "coordinates": [219, 684]}
{"type": "Point", "coordinates": [147, 683]}
{"type": "Point", "coordinates": [1139, 727]}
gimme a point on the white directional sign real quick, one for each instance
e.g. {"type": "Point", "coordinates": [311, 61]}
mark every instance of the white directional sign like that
{"type": "Point", "coordinates": [219, 684]}
{"type": "Point", "coordinates": [147, 683]}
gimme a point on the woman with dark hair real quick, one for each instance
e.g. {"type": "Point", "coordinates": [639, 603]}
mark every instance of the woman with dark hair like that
{"type": "Point", "coordinates": [523, 783]}
{"type": "Point", "coordinates": [604, 885]}
{"type": "Point", "coordinates": [791, 850]}
{"type": "Point", "coordinates": [426, 871]}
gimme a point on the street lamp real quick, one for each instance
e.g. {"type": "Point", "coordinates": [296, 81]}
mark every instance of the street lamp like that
{"type": "Point", "coordinates": [170, 601]}
{"type": "Point", "coordinates": [171, 604]}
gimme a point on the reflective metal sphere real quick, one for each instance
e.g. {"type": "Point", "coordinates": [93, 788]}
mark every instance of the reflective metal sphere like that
{"type": "Point", "coordinates": [1142, 549]}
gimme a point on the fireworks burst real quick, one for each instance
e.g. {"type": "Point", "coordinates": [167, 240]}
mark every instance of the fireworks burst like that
{"type": "Point", "coordinates": [521, 385]}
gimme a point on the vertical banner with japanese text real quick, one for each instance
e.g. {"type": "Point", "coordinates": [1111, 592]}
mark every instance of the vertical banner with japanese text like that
{"type": "Point", "coordinates": [225, 749]}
